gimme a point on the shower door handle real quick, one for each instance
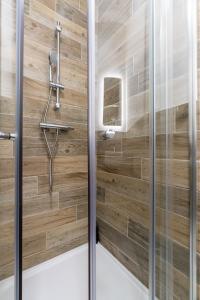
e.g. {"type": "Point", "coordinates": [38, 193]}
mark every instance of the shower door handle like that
{"type": "Point", "coordinates": [7, 136]}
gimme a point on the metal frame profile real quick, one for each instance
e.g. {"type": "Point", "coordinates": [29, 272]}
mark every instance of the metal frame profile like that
{"type": "Point", "coordinates": [192, 66]}
{"type": "Point", "coordinates": [152, 83]}
{"type": "Point", "coordinates": [91, 150]}
{"type": "Point", "coordinates": [18, 147]}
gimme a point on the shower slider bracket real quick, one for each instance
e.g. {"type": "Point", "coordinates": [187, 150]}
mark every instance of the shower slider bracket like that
{"type": "Point", "coordinates": [60, 127]}
{"type": "Point", "coordinates": [56, 86]}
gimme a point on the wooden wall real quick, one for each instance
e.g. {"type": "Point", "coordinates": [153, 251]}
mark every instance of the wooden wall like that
{"type": "Point", "coordinates": [124, 178]}
{"type": "Point", "coordinates": [56, 223]}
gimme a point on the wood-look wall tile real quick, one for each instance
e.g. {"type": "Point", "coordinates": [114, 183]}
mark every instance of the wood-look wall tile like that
{"type": "Point", "coordinates": [127, 186]}
{"type": "Point", "coordinates": [63, 182]}
{"type": "Point", "coordinates": [37, 147]}
{"type": "Point", "coordinates": [70, 164]}
{"type": "Point", "coordinates": [45, 255]}
{"type": "Point", "coordinates": [84, 54]}
{"type": "Point", "coordinates": [64, 235]}
{"type": "Point", "coordinates": [27, 7]}
{"type": "Point", "coordinates": [100, 194]}
{"type": "Point", "coordinates": [7, 168]}
{"type": "Point", "coordinates": [32, 244]}
{"type": "Point", "coordinates": [30, 190]}
{"type": "Point", "coordinates": [182, 118]}
{"type": "Point", "coordinates": [138, 233]}
{"type": "Point", "coordinates": [7, 252]}
{"type": "Point", "coordinates": [178, 171]}
{"type": "Point", "coordinates": [128, 205]}
{"type": "Point", "coordinates": [45, 36]}
{"type": "Point", "coordinates": [73, 197]}
{"type": "Point", "coordinates": [136, 147]}
{"type": "Point", "coordinates": [83, 6]}
{"type": "Point", "coordinates": [133, 250]}
{"type": "Point", "coordinates": [126, 166]}
{"type": "Point", "coordinates": [82, 211]}
{"type": "Point", "coordinates": [112, 217]}
{"type": "Point", "coordinates": [179, 199]}
{"type": "Point", "coordinates": [40, 203]}
{"type": "Point", "coordinates": [131, 265]}
{"type": "Point", "coordinates": [7, 122]}
{"type": "Point", "coordinates": [6, 149]}
{"type": "Point", "coordinates": [109, 147]}
{"type": "Point", "coordinates": [8, 105]}
{"type": "Point", "coordinates": [49, 18]}
{"type": "Point", "coordinates": [67, 11]}
{"type": "Point", "coordinates": [46, 221]}
{"type": "Point", "coordinates": [49, 3]}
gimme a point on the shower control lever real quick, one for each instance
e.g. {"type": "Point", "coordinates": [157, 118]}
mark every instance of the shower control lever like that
{"type": "Point", "coordinates": [7, 136]}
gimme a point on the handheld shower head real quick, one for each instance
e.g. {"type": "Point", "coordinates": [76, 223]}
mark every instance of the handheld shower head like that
{"type": "Point", "coordinates": [53, 59]}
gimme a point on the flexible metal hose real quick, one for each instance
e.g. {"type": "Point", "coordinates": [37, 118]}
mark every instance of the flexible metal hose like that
{"type": "Point", "coordinates": [51, 150]}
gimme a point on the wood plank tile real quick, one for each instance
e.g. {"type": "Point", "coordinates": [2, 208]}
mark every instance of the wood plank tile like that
{"type": "Point", "coordinates": [130, 167]}
{"type": "Point", "coordinates": [49, 3]}
{"type": "Point", "coordinates": [49, 18]}
{"type": "Point", "coordinates": [63, 182]}
{"type": "Point", "coordinates": [82, 211]}
{"type": "Point", "coordinates": [40, 203]}
{"type": "Point", "coordinates": [112, 217]}
{"type": "Point", "coordinates": [45, 255]}
{"type": "Point", "coordinates": [137, 253]}
{"type": "Point", "coordinates": [66, 234]}
{"type": "Point", "coordinates": [6, 149]}
{"type": "Point", "coordinates": [131, 187]}
{"type": "Point", "coordinates": [42, 34]}
{"type": "Point", "coordinates": [178, 171]}
{"type": "Point", "coordinates": [46, 221]}
{"type": "Point", "coordinates": [68, 11]}
{"type": "Point", "coordinates": [73, 197]}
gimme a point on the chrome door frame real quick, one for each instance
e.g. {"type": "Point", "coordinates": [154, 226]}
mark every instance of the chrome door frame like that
{"type": "Point", "coordinates": [193, 82]}
{"type": "Point", "coordinates": [19, 148]}
{"type": "Point", "coordinates": [91, 150]}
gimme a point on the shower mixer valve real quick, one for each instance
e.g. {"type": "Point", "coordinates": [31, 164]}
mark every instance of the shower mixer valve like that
{"type": "Point", "coordinates": [54, 63]}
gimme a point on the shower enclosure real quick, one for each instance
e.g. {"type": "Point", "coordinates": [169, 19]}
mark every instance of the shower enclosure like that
{"type": "Point", "coordinates": [120, 220]}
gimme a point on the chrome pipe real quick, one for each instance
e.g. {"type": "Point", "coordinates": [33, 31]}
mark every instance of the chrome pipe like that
{"type": "Point", "coordinates": [58, 32]}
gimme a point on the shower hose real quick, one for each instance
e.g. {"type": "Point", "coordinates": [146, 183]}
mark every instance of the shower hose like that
{"type": "Point", "coordinates": [51, 149]}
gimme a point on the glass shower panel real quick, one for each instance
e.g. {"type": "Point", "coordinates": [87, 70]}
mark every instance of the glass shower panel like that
{"type": "Point", "coordinates": [7, 160]}
{"type": "Point", "coordinates": [172, 98]}
{"type": "Point", "coordinates": [55, 208]}
{"type": "Point", "coordinates": [123, 150]}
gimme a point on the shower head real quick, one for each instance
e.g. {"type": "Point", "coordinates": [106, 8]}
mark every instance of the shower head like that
{"type": "Point", "coordinates": [53, 59]}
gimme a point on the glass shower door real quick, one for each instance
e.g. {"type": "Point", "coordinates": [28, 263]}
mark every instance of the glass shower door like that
{"type": "Point", "coordinates": [175, 152]}
{"type": "Point", "coordinates": [11, 69]}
